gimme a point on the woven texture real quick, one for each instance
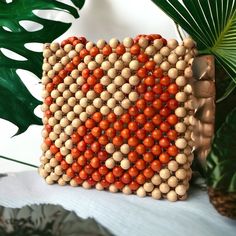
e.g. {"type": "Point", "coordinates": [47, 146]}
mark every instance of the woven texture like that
{"type": "Point", "coordinates": [118, 115]}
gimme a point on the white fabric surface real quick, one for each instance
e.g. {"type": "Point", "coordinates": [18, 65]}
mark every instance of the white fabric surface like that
{"type": "Point", "coordinates": [123, 215]}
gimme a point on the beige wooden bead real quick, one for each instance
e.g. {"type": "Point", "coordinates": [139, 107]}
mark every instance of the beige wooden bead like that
{"type": "Point", "coordinates": [48, 168]}
{"type": "Point", "coordinates": [54, 176]}
{"type": "Point", "coordinates": [172, 181]}
{"type": "Point", "coordinates": [111, 88]}
{"type": "Point", "coordinates": [65, 60]}
{"type": "Point", "coordinates": [46, 67]}
{"type": "Point", "coordinates": [181, 143]}
{"type": "Point", "coordinates": [53, 136]}
{"type": "Point", "coordinates": [150, 50]}
{"type": "Point", "coordinates": [165, 51]}
{"type": "Point", "coordinates": [105, 95]}
{"type": "Point", "coordinates": [45, 80]}
{"type": "Point", "coordinates": [76, 123]}
{"type": "Point", "coordinates": [55, 94]}
{"type": "Point", "coordinates": [99, 58]}
{"type": "Point", "coordinates": [143, 42]}
{"type": "Point", "coordinates": [101, 43]}
{"type": "Point", "coordinates": [188, 89]}
{"type": "Point", "coordinates": [181, 174]}
{"type": "Point", "coordinates": [158, 44]}
{"type": "Point", "coordinates": [79, 94]}
{"type": "Point", "coordinates": [52, 121]}
{"type": "Point", "coordinates": [67, 94]}
{"type": "Point", "coordinates": [97, 102]}
{"type": "Point", "coordinates": [63, 137]}
{"type": "Point", "coordinates": [86, 185]}
{"type": "Point", "coordinates": [164, 188]}
{"type": "Point", "coordinates": [73, 183]}
{"type": "Point", "coordinates": [148, 187]}
{"type": "Point", "coordinates": [61, 87]}
{"type": "Point", "coordinates": [113, 42]}
{"type": "Point", "coordinates": [72, 101]}
{"type": "Point", "coordinates": [105, 110]}
{"type": "Point", "coordinates": [67, 48]}
{"type": "Point", "coordinates": [111, 103]}
{"type": "Point", "coordinates": [128, 42]}
{"type": "Point", "coordinates": [64, 151]}
{"type": "Point", "coordinates": [126, 190]}
{"type": "Point", "coordinates": [89, 45]}
{"type": "Point", "coordinates": [181, 158]}
{"type": "Point", "coordinates": [172, 196]}
{"type": "Point", "coordinates": [181, 96]}
{"type": "Point", "coordinates": [181, 190]}
{"type": "Point", "coordinates": [54, 46]}
{"type": "Point", "coordinates": [119, 96]}
{"type": "Point", "coordinates": [125, 164]}
{"type": "Point", "coordinates": [181, 81]}
{"type": "Point", "coordinates": [61, 182]}
{"type": "Point", "coordinates": [92, 65]}
{"type": "Point", "coordinates": [125, 148]}
{"type": "Point", "coordinates": [58, 66]}
{"type": "Point", "coordinates": [188, 42]}
{"type": "Point", "coordinates": [44, 107]}
{"type": "Point", "coordinates": [105, 80]}
{"type": "Point", "coordinates": [119, 65]}
{"type": "Point", "coordinates": [110, 163]}
{"type": "Point", "coordinates": [112, 57]}
{"type": "Point", "coordinates": [126, 57]}
{"type": "Point", "coordinates": [65, 108]}
{"type": "Point", "coordinates": [47, 52]}
{"type": "Point", "coordinates": [117, 156]}
{"type": "Point", "coordinates": [43, 173]}
{"type": "Point", "coordinates": [164, 173]}
{"type": "Point", "coordinates": [52, 60]}
{"type": "Point", "coordinates": [91, 95]}
{"type": "Point", "coordinates": [83, 102]}
{"type": "Point", "coordinates": [134, 65]}
{"type": "Point", "coordinates": [77, 109]}
{"type": "Point", "coordinates": [68, 80]}
{"type": "Point", "coordinates": [90, 109]}
{"type": "Point", "coordinates": [180, 50]}
{"type": "Point", "coordinates": [69, 158]}
{"type": "Point", "coordinates": [83, 116]}
{"type": "Point", "coordinates": [165, 66]}
{"type": "Point", "coordinates": [173, 73]}
{"type": "Point", "coordinates": [156, 194]}
{"type": "Point", "coordinates": [87, 59]}
{"type": "Point", "coordinates": [172, 43]}
{"type": "Point", "coordinates": [43, 160]}
{"type": "Point", "coordinates": [44, 147]}
{"type": "Point", "coordinates": [112, 73]}
{"type": "Point", "coordinates": [44, 133]}
{"type": "Point", "coordinates": [188, 73]}
{"type": "Point", "coordinates": [110, 148]}
{"type": "Point", "coordinates": [158, 58]}
{"type": "Point", "coordinates": [180, 127]}
{"type": "Point", "coordinates": [45, 120]}
{"type": "Point", "coordinates": [113, 188]}
{"type": "Point", "coordinates": [126, 88]}
{"type": "Point", "coordinates": [118, 110]}
{"type": "Point", "coordinates": [156, 179]}
{"type": "Point", "coordinates": [58, 170]}
{"type": "Point", "coordinates": [58, 143]}
{"type": "Point", "coordinates": [60, 53]}
{"type": "Point", "coordinates": [119, 80]}
{"type": "Point", "coordinates": [48, 154]}
{"type": "Point", "coordinates": [134, 80]}
{"type": "Point", "coordinates": [181, 65]}
{"type": "Point", "coordinates": [133, 96]}
{"type": "Point", "coordinates": [72, 54]}
{"type": "Point", "coordinates": [180, 112]}
{"type": "Point", "coordinates": [141, 192]}
{"type": "Point", "coordinates": [99, 187]}
{"type": "Point", "coordinates": [172, 58]}
{"type": "Point", "coordinates": [69, 131]}
{"type": "Point", "coordinates": [172, 165]}
{"type": "Point", "coordinates": [49, 180]}
{"type": "Point", "coordinates": [70, 115]}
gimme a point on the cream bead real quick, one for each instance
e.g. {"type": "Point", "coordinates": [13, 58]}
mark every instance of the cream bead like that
{"type": "Point", "coordinates": [44, 147]}
{"type": "Point", "coordinates": [53, 136]}
{"type": "Point", "coordinates": [134, 80]}
{"type": "Point", "coordinates": [48, 168]}
{"type": "Point", "coordinates": [113, 188]}
{"type": "Point", "coordinates": [47, 67]}
{"type": "Point", "coordinates": [188, 42]}
{"type": "Point", "coordinates": [73, 183]}
{"type": "Point", "coordinates": [69, 131]}
{"type": "Point", "coordinates": [83, 116]}
{"type": "Point", "coordinates": [126, 88]}
{"type": "Point", "coordinates": [173, 73]}
{"type": "Point", "coordinates": [91, 95]}
{"type": "Point", "coordinates": [99, 58]}
{"type": "Point", "coordinates": [156, 179]}
{"type": "Point", "coordinates": [105, 80]}
{"type": "Point", "coordinates": [112, 58]}
{"type": "Point", "coordinates": [86, 185]}
{"type": "Point", "coordinates": [172, 58]}
{"type": "Point", "coordinates": [172, 181]}
{"type": "Point", "coordinates": [165, 66]}
{"type": "Point", "coordinates": [52, 121]}
{"type": "Point", "coordinates": [164, 188]}
{"type": "Point", "coordinates": [128, 42]}
{"type": "Point", "coordinates": [188, 89]}
{"type": "Point", "coordinates": [77, 109]}
{"type": "Point", "coordinates": [43, 173]}
{"type": "Point", "coordinates": [67, 94]}
{"type": "Point", "coordinates": [126, 190]}
{"type": "Point", "coordinates": [111, 103]}
{"type": "Point", "coordinates": [53, 162]}
{"type": "Point", "coordinates": [58, 170]}
{"type": "Point", "coordinates": [119, 80]}
{"type": "Point", "coordinates": [105, 95]}
{"type": "Point", "coordinates": [158, 44]}
{"type": "Point", "coordinates": [172, 196]}
{"type": "Point", "coordinates": [44, 133]}
{"type": "Point", "coordinates": [126, 73]}
{"type": "Point", "coordinates": [180, 127]}
{"type": "Point", "coordinates": [72, 54]}
{"type": "Point", "coordinates": [143, 42]}
{"type": "Point", "coordinates": [126, 103]}
{"type": "Point", "coordinates": [180, 50]}
{"type": "Point", "coordinates": [180, 112]}
{"type": "Point", "coordinates": [61, 87]}
{"type": "Point", "coordinates": [52, 60]}
{"type": "Point", "coordinates": [119, 96]}
{"type": "Point", "coordinates": [65, 60]}
{"type": "Point", "coordinates": [60, 53]}
{"type": "Point", "coordinates": [63, 137]}
{"type": "Point", "coordinates": [55, 94]}
{"type": "Point", "coordinates": [105, 110]}
{"type": "Point", "coordinates": [83, 102]}
{"type": "Point", "coordinates": [172, 165]}
{"type": "Point", "coordinates": [134, 65]}
{"type": "Point", "coordinates": [181, 97]}
{"type": "Point", "coordinates": [125, 148]}
{"type": "Point", "coordinates": [92, 65]}
{"type": "Point", "coordinates": [172, 43]}
{"type": "Point", "coordinates": [48, 154]}
{"type": "Point", "coordinates": [44, 94]}
{"type": "Point", "coordinates": [119, 65]}
{"type": "Point", "coordinates": [76, 123]}
{"type": "Point", "coordinates": [181, 143]}
{"type": "Point", "coordinates": [90, 109]}
{"type": "Point", "coordinates": [58, 143]}
{"type": "Point", "coordinates": [133, 96]}
{"type": "Point", "coordinates": [97, 102]}
{"type": "Point", "coordinates": [125, 164]}
{"type": "Point", "coordinates": [79, 47]}
{"type": "Point", "coordinates": [87, 59]}
{"type": "Point", "coordinates": [118, 110]}
{"type": "Point", "coordinates": [110, 148]}
{"type": "Point", "coordinates": [64, 122]}
{"type": "Point", "coordinates": [79, 94]}
{"type": "Point", "coordinates": [141, 192]}
{"type": "Point", "coordinates": [181, 174]}
{"type": "Point", "coordinates": [45, 80]}
{"type": "Point", "coordinates": [101, 43]}
{"type": "Point", "coordinates": [99, 187]}
{"type": "Point", "coordinates": [64, 151]}
{"type": "Point", "coordinates": [49, 180]}
{"type": "Point", "coordinates": [148, 187]}
{"type": "Point", "coordinates": [69, 158]}
{"type": "Point", "coordinates": [165, 51]}
{"type": "Point", "coordinates": [126, 57]}
{"type": "Point", "coordinates": [111, 88]}
{"type": "Point", "coordinates": [61, 182]}
{"type": "Point", "coordinates": [156, 194]}
{"type": "Point", "coordinates": [117, 156]}
{"type": "Point", "coordinates": [110, 163]}
{"type": "Point", "coordinates": [89, 45]}
{"type": "Point", "coordinates": [47, 52]}
{"type": "Point", "coordinates": [150, 50]}
{"type": "Point", "coordinates": [71, 101]}
{"type": "Point", "coordinates": [181, 65]}
{"type": "Point", "coordinates": [44, 107]}
{"type": "Point", "coordinates": [81, 66]}
{"type": "Point", "coordinates": [67, 48]}
{"type": "Point", "coordinates": [65, 108]}
{"type": "Point", "coordinates": [158, 58]}
{"type": "Point", "coordinates": [164, 173]}
{"type": "Point", "coordinates": [113, 42]}
{"type": "Point", "coordinates": [45, 120]}
{"type": "Point", "coordinates": [112, 73]}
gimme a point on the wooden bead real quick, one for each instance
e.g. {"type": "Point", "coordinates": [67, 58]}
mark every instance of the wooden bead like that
{"type": "Point", "coordinates": [47, 53]}
{"type": "Point", "coordinates": [172, 165]}
{"type": "Point", "coordinates": [89, 45]}
{"type": "Point", "coordinates": [86, 185]}
{"type": "Point", "coordinates": [164, 188]}
{"type": "Point", "coordinates": [72, 54]}
{"type": "Point", "coordinates": [65, 60]}
{"type": "Point", "coordinates": [76, 123]}
{"type": "Point", "coordinates": [188, 43]}
{"type": "Point", "coordinates": [118, 110]}
{"type": "Point", "coordinates": [173, 73]}
{"type": "Point", "coordinates": [110, 163]}
{"type": "Point", "coordinates": [181, 97]}
{"type": "Point", "coordinates": [99, 187]}
{"type": "Point", "coordinates": [105, 95]}
{"type": "Point", "coordinates": [111, 103]}
{"type": "Point", "coordinates": [165, 51]}
{"type": "Point", "coordinates": [134, 65]}
{"type": "Point", "coordinates": [60, 53]}
{"type": "Point", "coordinates": [172, 196]}
{"type": "Point", "coordinates": [104, 110]}
{"type": "Point", "coordinates": [81, 66]}
{"type": "Point", "coordinates": [112, 58]}
{"type": "Point", "coordinates": [52, 121]}
{"type": "Point", "coordinates": [83, 116]}
{"type": "Point", "coordinates": [158, 44]}
{"type": "Point", "coordinates": [128, 42]}
{"type": "Point", "coordinates": [133, 96]}
{"type": "Point", "coordinates": [69, 131]}
{"type": "Point", "coordinates": [61, 87]}
{"type": "Point", "coordinates": [73, 183]}
{"type": "Point", "coordinates": [46, 67]}
{"type": "Point", "coordinates": [64, 151]}
{"type": "Point", "coordinates": [164, 173]}
{"type": "Point", "coordinates": [150, 50]}
{"type": "Point", "coordinates": [165, 66]}
{"type": "Point", "coordinates": [172, 43]}
{"type": "Point", "coordinates": [92, 65]}
{"type": "Point", "coordinates": [172, 58]}
{"type": "Point", "coordinates": [88, 59]}
{"type": "Point", "coordinates": [181, 190]}
{"type": "Point", "coordinates": [58, 143]}
{"type": "Point", "coordinates": [181, 143]}
{"type": "Point", "coordinates": [119, 65]}
{"type": "Point", "coordinates": [110, 148]}
{"type": "Point", "coordinates": [58, 170]}
{"type": "Point", "coordinates": [67, 94]}
{"type": "Point", "coordinates": [112, 73]}
{"type": "Point", "coordinates": [61, 182]}
{"type": "Point", "coordinates": [180, 112]}
{"type": "Point", "coordinates": [156, 179]}
{"type": "Point", "coordinates": [117, 156]}
{"type": "Point", "coordinates": [125, 164]}
{"type": "Point", "coordinates": [125, 148]}
{"type": "Point", "coordinates": [105, 80]}
{"type": "Point", "coordinates": [180, 50]}
{"type": "Point", "coordinates": [180, 127]}
{"type": "Point", "coordinates": [126, 88]}
{"type": "Point", "coordinates": [65, 108]}
{"type": "Point", "coordinates": [48, 167]}
{"type": "Point", "coordinates": [188, 73]}
{"type": "Point", "coordinates": [99, 58]}
{"type": "Point", "coordinates": [143, 42]}
{"type": "Point", "coordinates": [101, 43]}
{"type": "Point", "coordinates": [126, 103]}
{"type": "Point", "coordinates": [53, 136]}
{"type": "Point", "coordinates": [188, 89]}
{"type": "Point", "coordinates": [172, 181]}
{"type": "Point", "coordinates": [52, 60]}
{"type": "Point", "coordinates": [90, 109]}
{"type": "Point", "coordinates": [113, 42]}
{"type": "Point", "coordinates": [119, 80]}
{"type": "Point", "coordinates": [181, 174]}
{"type": "Point", "coordinates": [43, 173]}
{"type": "Point", "coordinates": [119, 96]}
{"type": "Point", "coordinates": [134, 80]}
{"type": "Point", "coordinates": [63, 137]}
{"type": "Point", "coordinates": [126, 57]}
{"type": "Point", "coordinates": [49, 180]}
{"type": "Point", "coordinates": [54, 46]}
{"type": "Point", "coordinates": [54, 176]}
{"type": "Point", "coordinates": [67, 48]}
{"type": "Point", "coordinates": [126, 190]}
{"type": "Point", "coordinates": [148, 187]}
{"type": "Point", "coordinates": [141, 192]}
{"type": "Point", "coordinates": [111, 88]}
{"type": "Point", "coordinates": [113, 188]}
{"type": "Point", "coordinates": [181, 65]}
{"type": "Point", "coordinates": [158, 58]}
{"type": "Point", "coordinates": [97, 102]}
{"type": "Point", "coordinates": [156, 194]}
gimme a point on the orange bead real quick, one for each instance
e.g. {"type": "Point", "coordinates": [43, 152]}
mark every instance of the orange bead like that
{"type": "Point", "coordinates": [104, 183]}
{"type": "Point", "coordinates": [83, 53]}
{"type": "Point", "coordinates": [75, 152]}
{"type": "Point", "coordinates": [140, 179]}
{"type": "Point", "coordinates": [49, 87]}
{"type": "Point", "coordinates": [82, 130]}
{"type": "Point", "coordinates": [172, 135]}
{"type": "Point", "coordinates": [103, 140]}
{"type": "Point", "coordinates": [104, 124]}
{"type": "Point", "coordinates": [110, 132]}
{"type": "Point", "coordinates": [149, 126]}
{"type": "Point", "coordinates": [125, 118]}
{"type": "Point", "coordinates": [126, 178]}
{"type": "Point", "coordinates": [164, 126]}
{"type": "Point", "coordinates": [102, 155]}
{"type": "Point", "coordinates": [85, 73]}
{"type": "Point", "coordinates": [48, 128]}
{"type": "Point", "coordinates": [54, 149]}
{"type": "Point", "coordinates": [94, 51]}
{"type": "Point", "coordinates": [172, 151]}
{"type": "Point", "coordinates": [83, 175]}
{"type": "Point", "coordinates": [142, 72]}
{"type": "Point", "coordinates": [76, 60]}
{"type": "Point", "coordinates": [103, 170]}
{"type": "Point", "coordinates": [48, 141]}
{"type": "Point", "coordinates": [78, 180]}
{"type": "Point", "coordinates": [133, 111]}
{"type": "Point", "coordinates": [165, 96]}
{"type": "Point", "coordinates": [125, 133]}
{"type": "Point", "coordinates": [141, 104]}
{"type": "Point", "coordinates": [117, 171]}
{"type": "Point", "coordinates": [95, 147]}
{"type": "Point", "coordinates": [95, 163]}
{"type": "Point", "coordinates": [58, 157]}
{"type": "Point", "coordinates": [69, 67]}
{"type": "Point", "coordinates": [57, 80]}
{"type": "Point", "coordinates": [88, 154]}
{"type": "Point", "coordinates": [157, 89]}
{"type": "Point", "coordinates": [64, 165]}
{"type": "Point", "coordinates": [133, 141]}
{"type": "Point", "coordinates": [156, 119]}
{"type": "Point", "coordinates": [82, 160]}
{"type": "Point", "coordinates": [141, 134]}
{"type": "Point", "coordinates": [88, 169]}
{"type": "Point", "coordinates": [149, 80]}
{"type": "Point", "coordinates": [164, 142]}
{"type": "Point", "coordinates": [148, 142]}
{"type": "Point", "coordinates": [119, 184]}
{"type": "Point", "coordinates": [164, 158]}
{"type": "Point", "coordinates": [118, 125]}
{"type": "Point", "coordinates": [90, 123]}
{"type": "Point", "coordinates": [96, 132]}
{"type": "Point", "coordinates": [63, 73]}
{"type": "Point", "coordinates": [141, 119]}
{"type": "Point", "coordinates": [156, 165]}
{"type": "Point", "coordinates": [133, 171]}
{"type": "Point", "coordinates": [148, 157]}
{"type": "Point", "coordinates": [165, 81]}
{"type": "Point", "coordinates": [98, 73]}
{"type": "Point", "coordinates": [70, 173]}
{"type": "Point", "coordinates": [140, 149]}
{"type": "Point", "coordinates": [92, 80]}
{"type": "Point", "coordinates": [133, 157]}
{"type": "Point", "coordinates": [111, 117]}
{"type": "Point", "coordinates": [96, 176]}
{"type": "Point", "coordinates": [97, 117]}
{"type": "Point", "coordinates": [141, 88]}
{"type": "Point", "coordinates": [158, 72]}
{"type": "Point", "coordinates": [149, 96]}
{"type": "Point", "coordinates": [148, 173]}
{"type": "Point", "coordinates": [149, 111]}
{"type": "Point", "coordinates": [98, 88]}
{"type": "Point", "coordinates": [133, 185]}
{"type": "Point", "coordinates": [172, 104]}
{"type": "Point", "coordinates": [133, 126]}
{"type": "Point", "coordinates": [75, 138]}
{"type": "Point", "coordinates": [172, 88]}
{"type": "Point", "coordinates": [142, 57]}
{"type": "Point", "coordinates": [156, 134]}
{"type": "Point", "coordinates": [48, 100]}
{"type": "Point", "coordinates": [156, 150]}
{"type": "Point", "coordinates": [140, 164]}
{"type": "Point", "coordinates": [135, 49]}
{"type": "Point", "coordinates": [120, 49]}
{"type": "Point", "coordinates": [76, 167]}
{"type": "Point", "coordinates": [110, 178]}
{"type": "Point", "coordinates": [150, 65]}
{"type": "Point", "coordinates": [107, 50]}
{"type": "Point", "coordinates": [165, 111]}
{"type": "Point", "coordinates": [85, 88]}
{"type": "Point", "coordinates": [172, 119]}
{"type": "Point", "coordinates": [117, 141]}
{"type": "Point", "coordinates": [81, 146]}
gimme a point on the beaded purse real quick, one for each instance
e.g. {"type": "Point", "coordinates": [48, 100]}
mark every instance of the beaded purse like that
{"type": "Point", "coordinates": [119, 115]}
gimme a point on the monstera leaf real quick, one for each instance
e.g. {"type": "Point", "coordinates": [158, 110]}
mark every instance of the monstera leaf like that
{"type": "Point", "coordinates": [16, 103]}
{"type": "Point", "coordinates": [222, 158]}
{"type": "Point", "coordinates": [212, 24]}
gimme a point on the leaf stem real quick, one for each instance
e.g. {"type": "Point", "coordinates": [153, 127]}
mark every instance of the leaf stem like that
{"type": "Point", "coordinates": [204, 51]}
{"type": "Point", "coordinates": [20, 162]}
{"type": "Point", "coordinates": [178, 30]}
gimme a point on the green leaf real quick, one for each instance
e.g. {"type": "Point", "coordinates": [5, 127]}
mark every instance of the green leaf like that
{"type": "Point", "coordinates": [221, 161]}
{"type": "Point", "coordinates": [16, 103]}
{"type": "Point", "coordinates": [231, 87]}
{"type": "Point", "coordinates": [211, 23]}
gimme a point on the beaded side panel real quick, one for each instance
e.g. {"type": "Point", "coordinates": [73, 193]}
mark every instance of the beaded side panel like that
{"type": "Point", "coordinates": [117, 115]}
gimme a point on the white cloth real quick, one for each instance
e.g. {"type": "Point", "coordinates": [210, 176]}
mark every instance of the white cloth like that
{"type": "Point", "coordinates": [123, 215]}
